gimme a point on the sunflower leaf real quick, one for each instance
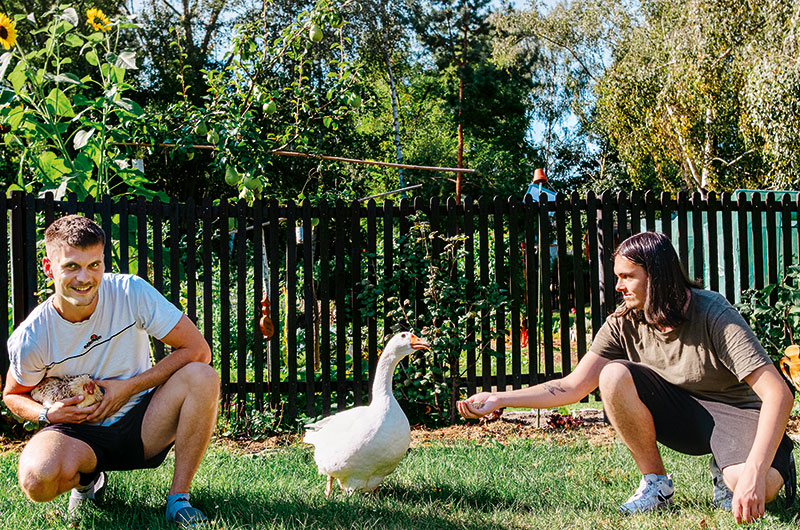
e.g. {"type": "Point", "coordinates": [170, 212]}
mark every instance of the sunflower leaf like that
{"type": "Point", "coordinates": [91, 58]}
{"type": "Point", "coordinates": [5, 60]}
{"type": "Point", "coordinates": [70, 15]}
{"type": "Point", "coordinates": [60, 104]}
{"type": "Point", "coordinates": [130, 106]}
{"type": "Point", "coordinates": [18, 78]}
{"type": "Point", "coordinates": [126, 60]}
{"type": "Point", "coordinates": [82, 138]}
{"type": "Point", "coordinates": [73, 40]}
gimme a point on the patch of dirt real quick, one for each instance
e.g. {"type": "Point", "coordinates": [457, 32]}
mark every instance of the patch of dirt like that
{"type": "Point", "coordinates": [247, 446]}
{"type": "Point", "coordinates": [510, 425]}
{"type": "Point", "coordinates": [8, 444]}
{"type": "Point", "coordinates": [520, 424]}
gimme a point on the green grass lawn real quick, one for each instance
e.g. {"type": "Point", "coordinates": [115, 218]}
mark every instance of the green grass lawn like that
{"type": "Point", "coordinates": [566, 484]}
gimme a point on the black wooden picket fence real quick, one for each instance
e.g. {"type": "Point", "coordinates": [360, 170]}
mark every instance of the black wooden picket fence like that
{"type": "Point", "coordinates": [553, 259]}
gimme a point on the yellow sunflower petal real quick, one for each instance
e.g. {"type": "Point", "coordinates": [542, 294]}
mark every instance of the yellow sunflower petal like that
{"type": "Point", "coordinates": [98, 20]}
{"type": "Point", "coordinates": [8, 34]}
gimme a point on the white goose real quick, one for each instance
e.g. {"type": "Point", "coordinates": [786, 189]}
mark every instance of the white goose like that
{"type": "Point", "coordinates": [360, 446]}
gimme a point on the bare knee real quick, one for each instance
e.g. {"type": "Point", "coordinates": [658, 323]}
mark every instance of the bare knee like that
{"type": "Point", "coordinates": [774, 481]}
{"type": "Point", "coordinates": [40, 481]}
{"type": "Point", "coordinates": [615, 378]}
{"type": "Point", "coordinates": [198, 376]}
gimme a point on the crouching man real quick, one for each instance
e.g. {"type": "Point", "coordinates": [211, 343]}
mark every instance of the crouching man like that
{"type": "Point", "coordinates": [99, 324]}
{"type": "Point", "coordinates": [678, 365]}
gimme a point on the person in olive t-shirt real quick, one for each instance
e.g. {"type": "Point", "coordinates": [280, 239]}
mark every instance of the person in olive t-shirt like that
{"type": "Point", "coordinates": [678, 365]}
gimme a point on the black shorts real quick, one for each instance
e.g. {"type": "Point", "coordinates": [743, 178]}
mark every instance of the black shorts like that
{"type": "Point", "coordinates": [697, 426]}
{"type": "Point", "coordinates": [117, 446]}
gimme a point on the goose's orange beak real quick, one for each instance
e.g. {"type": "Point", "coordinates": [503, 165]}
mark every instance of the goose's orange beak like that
{"type": "Point", "coordinates": [418, 343]}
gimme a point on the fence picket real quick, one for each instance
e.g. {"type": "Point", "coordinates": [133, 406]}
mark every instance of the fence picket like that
{"type": "Point", "coordinates": [772, 243]}
{"type": "Point", "coordinates": [697, 236]}
{"type": "Point", "coordinates": [544, 280]}
{"type": "Point", "coordinates": [4, 286]}
{"type": "Point", "coordinates": [577, 274]}
{"type": "Point", "coordinates": [242, 320]}
{"type": "Point", "coordinates": [291, 307]}
{"type": "Point", "coordinates": [354, 213]}
{"type": "Point", "coordinates": [310, 308]}
{"type": "Point", "coordinates": [258, 293]}
{"type": "Point", "coordinates": [713, 256]}
{"type": "Point", "coordinates": [469, 271]}
{"type": "Point", "coordinates": [727, 247]}
{"type": "Point", "coordinates": [501, 278]}
{"type": "Point", "coordinates": [341, 325]}
{"type": "Point", "coordinates": [325, 308]}
{"type": "Point", "coordinates": [483, 276]}
{"type": "Point", "coordinates": [223, 257]}
{"type": "Point", "coordinates": [514, 207]}
{"type": "Point", "coordinates": [563, 283]}
{"type": "Point", "coordinates": [744, 266]}
{"type": "Point", "coordinates": [758, 240]}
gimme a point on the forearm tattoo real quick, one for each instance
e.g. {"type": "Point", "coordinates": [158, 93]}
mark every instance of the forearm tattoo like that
{"type": "Point", "coordinates": [553, 388]}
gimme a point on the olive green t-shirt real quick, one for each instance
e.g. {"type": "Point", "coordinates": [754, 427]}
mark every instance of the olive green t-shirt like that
{"type": "Point", "coordinates": [708, 355]}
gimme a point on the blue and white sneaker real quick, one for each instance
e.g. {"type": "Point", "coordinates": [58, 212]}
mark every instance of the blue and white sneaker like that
{"type": "Point", "coordinates": [655, 492]}
{"type": "Point", "coordinates": [723, 496]}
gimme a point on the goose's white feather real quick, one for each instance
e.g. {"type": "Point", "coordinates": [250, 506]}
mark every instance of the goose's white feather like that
{"type": "Point", "coordinates": [360, 446]}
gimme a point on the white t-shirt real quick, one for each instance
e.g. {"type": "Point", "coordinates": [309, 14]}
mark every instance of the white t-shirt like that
{"type": "Point", "coordinates": [112, 344]}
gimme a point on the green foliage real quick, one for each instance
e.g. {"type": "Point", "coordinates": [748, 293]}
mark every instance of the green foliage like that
{"type": "Point", "coordinates": [60, 126]}
{"type": "Point", "coordinates": [429, 268]}
{"type": "Point", "coordinates": [274, 93]}
{"type": "Point", "coordinates": [776, 324]}
{"type": "Point", "coordinates": [255, 424]}
{"type": "Point", "coordinates": [706, 108]}
{"type": "Point", "coordinates": [10, 425]}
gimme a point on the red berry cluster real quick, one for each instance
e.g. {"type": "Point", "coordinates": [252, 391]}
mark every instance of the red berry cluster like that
{"type": "Point", "coordinates": [557, 421]}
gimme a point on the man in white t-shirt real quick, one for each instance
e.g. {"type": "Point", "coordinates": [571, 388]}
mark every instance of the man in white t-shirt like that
{"type": "Point", "coordinates": [99, 324]}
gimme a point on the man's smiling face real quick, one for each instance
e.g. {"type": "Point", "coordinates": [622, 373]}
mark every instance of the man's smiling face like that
{"type": "Point", "coordinates": [76, 273]}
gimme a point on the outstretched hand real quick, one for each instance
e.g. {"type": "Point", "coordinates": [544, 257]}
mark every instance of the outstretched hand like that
{"type": "Point", "coordinates": [478, 405]}
{"type": "Point", "coordinates": [65, 411]}
{"type": "Point", "coordinates": [115, 394]}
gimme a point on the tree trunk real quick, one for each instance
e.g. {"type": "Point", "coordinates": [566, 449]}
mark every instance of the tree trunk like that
{"type": "Point", "coordinates": [708, 151]}
{"type": "Point", "coordinates": [396, 119]}
{"type": "Point", "coordinates": [696, 179]}
{"type": "Point", "coordinates": [459, 175]}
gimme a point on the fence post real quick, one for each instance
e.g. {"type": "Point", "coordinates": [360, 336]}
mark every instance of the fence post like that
{"type": "Point", "coordinates": [4, 361]}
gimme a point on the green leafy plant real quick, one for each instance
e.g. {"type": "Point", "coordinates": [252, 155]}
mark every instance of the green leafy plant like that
{"type": "Point", "coordinates": [431, 265]}
{"type": "Point", "coordinates": [776, 324]}
{"type": "Point", "coordinates": [65, 128]}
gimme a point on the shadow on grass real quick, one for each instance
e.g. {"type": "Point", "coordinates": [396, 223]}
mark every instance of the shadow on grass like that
{"type": "Point", "coordinates": [240, 511]}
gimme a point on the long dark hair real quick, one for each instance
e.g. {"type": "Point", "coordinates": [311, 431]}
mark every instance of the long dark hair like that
{"type": "Point", "coordinates": [667, 281]}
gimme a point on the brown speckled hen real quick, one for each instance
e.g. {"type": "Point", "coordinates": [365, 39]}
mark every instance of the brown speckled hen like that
{"type": "Point", "coordinates": [52, 389]}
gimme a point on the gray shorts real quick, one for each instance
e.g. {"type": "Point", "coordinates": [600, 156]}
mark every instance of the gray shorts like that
{"type": "Point", "coordinates": [697, 426]}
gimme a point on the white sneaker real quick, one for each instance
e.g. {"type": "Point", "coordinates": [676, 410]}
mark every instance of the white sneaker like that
{"type": "Point", "coordinates": [655, 492]}
{"type": "Point", "coordinates": [91, 492]}
{"type": "Point", "coordinates": [723, 496]}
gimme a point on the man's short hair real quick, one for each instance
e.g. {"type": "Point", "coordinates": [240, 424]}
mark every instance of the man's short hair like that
{"type": "Point", "coordinates": [76, 231]}
{"type": "Point", "coordinates": [667, 281]}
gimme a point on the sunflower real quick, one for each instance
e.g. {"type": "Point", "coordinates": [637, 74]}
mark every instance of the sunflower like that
{"type": "Point", "coordinates": [8, 35]}
{"type": "Point", "coordinates": [98, 20]}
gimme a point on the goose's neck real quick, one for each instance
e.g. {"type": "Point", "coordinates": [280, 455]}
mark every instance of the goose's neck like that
{"type": "Point", "coordinates": [384, 373]}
